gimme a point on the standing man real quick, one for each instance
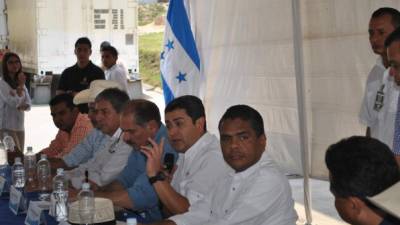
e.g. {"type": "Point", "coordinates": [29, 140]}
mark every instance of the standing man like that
{"type": "Point", "coordinates": [256, 192]}
{"type": "Point", "coordinates": [78, 77]}
{"type": "Point", "coordinates": [200, 162]}
{"type": "Point", "coordinates": [392, 44]}
{"type": "Point", "coordinates": [113, 71]}
{"type": "Point", "coordinates": [383, 22]}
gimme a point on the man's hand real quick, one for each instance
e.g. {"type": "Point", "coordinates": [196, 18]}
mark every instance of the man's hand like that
{"type": "Point", "coordinates": [154, 155]}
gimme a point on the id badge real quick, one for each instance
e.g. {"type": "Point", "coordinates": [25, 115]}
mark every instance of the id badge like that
{"type": "Point", "coordinates": [380, 96]}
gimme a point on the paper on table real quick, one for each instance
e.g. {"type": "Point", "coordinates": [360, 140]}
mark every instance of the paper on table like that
{"type": "Point", "coordinates": [104, 211]}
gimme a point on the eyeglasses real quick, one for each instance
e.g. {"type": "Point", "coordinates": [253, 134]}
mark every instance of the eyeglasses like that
{"type": "Point", "coordinates": [13, 62]}
{"type": "Point", "coordinates": [113, 145]}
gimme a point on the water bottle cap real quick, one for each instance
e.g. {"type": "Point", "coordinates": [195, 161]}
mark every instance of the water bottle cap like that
{"type": "Point", "coordinates": [43, 156]}
{"type": "Point", "coordinates": [60, 171]}
{"type": "Point", "coordinates": [17, 160]}
{"type": "Point", "coordinates": [131, 221]}
{"type": "Point", "coordinates": [85, 186]}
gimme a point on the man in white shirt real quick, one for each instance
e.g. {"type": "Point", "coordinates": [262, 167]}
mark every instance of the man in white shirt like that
{"type": "Point", "coordinates": [393, 48]}
{"type": "Point", "coordinates": [386, 117]}
{"type": "Point", "coordinates": [256, 193]}
{"type": "Point", "coordinates": [114, 71]}
{"type": "Point", "coordinates": [108, 162]}
{"type": "Point", "coordinates": [200, 162]}
{"type": "Point", "coordinates": [383, 21]}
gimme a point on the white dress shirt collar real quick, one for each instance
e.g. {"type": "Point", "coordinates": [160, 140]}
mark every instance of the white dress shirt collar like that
{"type": "Point", "coordinates": [252, 169]}
{"type": "Point", "coordinates": [197, 147]}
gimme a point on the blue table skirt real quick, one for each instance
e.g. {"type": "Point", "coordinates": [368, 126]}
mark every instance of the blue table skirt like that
{"type": "Point", "coordinates": [9, 218]}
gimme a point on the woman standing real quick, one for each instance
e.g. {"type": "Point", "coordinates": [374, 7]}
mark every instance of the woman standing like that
{"type": "Point", "coordinates": [14, 99]}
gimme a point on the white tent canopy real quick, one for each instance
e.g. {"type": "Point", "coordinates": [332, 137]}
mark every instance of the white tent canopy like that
{"type": "Point", "coordinates": [247, 54]}
{"type": "Point", "coordinates": [302, 64]}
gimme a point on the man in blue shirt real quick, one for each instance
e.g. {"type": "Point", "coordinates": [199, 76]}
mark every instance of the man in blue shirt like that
{"type": "Point", "coordinates": [140, 121]}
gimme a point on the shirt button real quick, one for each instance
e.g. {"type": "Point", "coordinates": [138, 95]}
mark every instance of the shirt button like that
{"type": "Point", "coordinates": [187, 173]}
{"type": "Point", "coordinates": [233, 189]}
{"type": "Point", "coordinates": [226, 211]}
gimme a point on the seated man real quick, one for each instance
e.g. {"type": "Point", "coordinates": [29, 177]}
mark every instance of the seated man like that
{"type": "Point", "coordinates": [107, 162]}
{"type": "Point", "coordinates": [361, 167]}
{"type": "Point", "coordinates": [200, 163]}
{"type": "Point", "coordinates": [73, 126]}
{"type": "Point", "coordinates": [140, 121]}
{"type": "Point", "coordinates": [96, 139]}
{"type": "Point", "coordinates": [256, 193]}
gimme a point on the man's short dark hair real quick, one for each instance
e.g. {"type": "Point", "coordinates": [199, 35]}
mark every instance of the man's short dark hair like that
{"type": "Point", "coordinates": [144, 111]}
{"type": "Point", "coordinates": [104, 44]}
{"type": "Point", "coordinates": [360, 167]}
{"type": "Point", "coordinates": [115, 96]}
{"type": "Point", "coordinates": [393, 13]}
{"type": "Point", "coordinates": [83, 40]}
{"type": "Point", "coordinates": [394, 36]}
{"type": "Point", "coordinates": [113, 51]}
{"type": "Point", "coordinates": [245, 113]}
{"type": "Point", "coordinates": [191, 104]}
{"type": "Point", "coordinates": [63, 98]}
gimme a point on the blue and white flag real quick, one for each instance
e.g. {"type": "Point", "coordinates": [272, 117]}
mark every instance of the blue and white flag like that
{"type": "Point", "coordinates": [180, 62]}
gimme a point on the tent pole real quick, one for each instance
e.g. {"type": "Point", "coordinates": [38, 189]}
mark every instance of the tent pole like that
{"type": "Point", "coordinates": [301, 104]}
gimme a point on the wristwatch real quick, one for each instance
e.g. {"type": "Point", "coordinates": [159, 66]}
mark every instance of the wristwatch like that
{"type": "Point", "coordinates": [160, 176]}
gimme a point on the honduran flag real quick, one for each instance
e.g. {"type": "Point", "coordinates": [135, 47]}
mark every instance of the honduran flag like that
{"type": "Point", "coordinates": [180, 62]}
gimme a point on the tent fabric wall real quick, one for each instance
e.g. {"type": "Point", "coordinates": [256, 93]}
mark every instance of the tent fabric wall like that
{"type": "Point", "coordinates": [246, 49]}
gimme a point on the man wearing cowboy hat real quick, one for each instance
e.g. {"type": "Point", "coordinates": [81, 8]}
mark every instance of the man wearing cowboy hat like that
{"type": "Point", "coordinates": [94, 141]}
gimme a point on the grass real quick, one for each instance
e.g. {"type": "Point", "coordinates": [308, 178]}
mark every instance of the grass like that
{"type": "Point", "coordinates": [150, 46]}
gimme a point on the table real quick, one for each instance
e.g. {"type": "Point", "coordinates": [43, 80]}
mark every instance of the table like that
{"type": "Point", "coordinates": [9, 218]}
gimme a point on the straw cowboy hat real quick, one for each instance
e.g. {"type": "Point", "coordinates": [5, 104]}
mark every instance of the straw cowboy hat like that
{"type": "Point", "coordinates": [96, 86]}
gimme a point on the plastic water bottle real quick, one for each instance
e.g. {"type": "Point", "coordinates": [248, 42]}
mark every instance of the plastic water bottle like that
{"type": "Point", "coordinates": [18, 175]}
{"type": "Point", "coordinates": [60, 196]}
{"type": "Point", "coordinates": [3, 156]}
{"type": "Point", "coordinates": [86, 204]}
{"type": "Point", "coordinates": [43, 175]}
{"type": "Point", "coordinates": [9, 145]}
{"type": "Point", "coordinates": [30, 167]}
{"type": "Point", "coordinates": [4, 167]}
{"type": "Point", "coordinates": [18, 181]}
{"type": "Point", "coordinates": [9, 142]}
{"type": "Point", "coordinates": [131, 221]}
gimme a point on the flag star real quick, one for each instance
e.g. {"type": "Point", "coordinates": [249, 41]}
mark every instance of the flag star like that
{"type": "Point", "coordinates": [170, 45]}
{"type": "Point", "coordinates": [181, 77]}
{"type": "Point", "coordinates": [162, 55]}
